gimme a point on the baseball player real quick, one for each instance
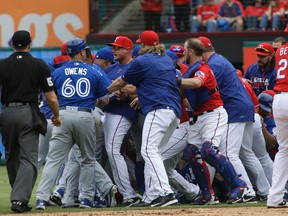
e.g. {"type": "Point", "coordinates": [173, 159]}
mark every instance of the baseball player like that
{"type": "Point", "coordinates": [280, 110]}
{"type": "Point", "coordinates": [78, 85]}
{"type": "Point", "coordinates": [118, 120]}
{"type": "Point", "coordinates": [210, 118]}
{"type": "Point", "coordinates": [104, 57]}
{"type": "Point", "coordinates": [262, 74]}
{"type": "Point", "coordinates": [154, 76]}
{"type": "Point", "coordinates": [57, 62]}
{"type": "Point", "coordinates": [237, 142]}
{"type": "Point", "coordinates": [259, 148]}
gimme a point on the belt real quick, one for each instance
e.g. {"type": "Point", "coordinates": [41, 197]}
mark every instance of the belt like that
{"type": "Point", "coordinates": [15, 104]}
{"type": "Point", "coordinates": [280, 92]}
{"type": "Point", "coordinates": [75, 108]}
{"type": "Point", "coordinates": [207, 111]}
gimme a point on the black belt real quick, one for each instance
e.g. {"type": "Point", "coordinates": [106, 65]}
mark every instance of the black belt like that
{"type": "Point", "coordinates": [15, 104]}
{"type": "Point", "coordinates": [74, 108]}
{"type": "Point", "coordinates": [278, 92]}
{"type": "Point", "coordinates": [207, 111]}
{"type": "Point", "coordinates": [195, 117]}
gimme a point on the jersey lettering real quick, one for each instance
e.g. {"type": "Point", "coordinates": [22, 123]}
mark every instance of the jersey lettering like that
{"type": "Point", "coordinates": [282, 67]}
{"type": "Point", "coordinates": [75, 71]}
{"type": "Point", "coordinates": [82, 88]}
{"type": "Point", "coordinates": [49, 81]}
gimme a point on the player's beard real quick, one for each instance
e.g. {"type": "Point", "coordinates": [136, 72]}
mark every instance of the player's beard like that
{"type": "Point", "coordinates": [263, 65]}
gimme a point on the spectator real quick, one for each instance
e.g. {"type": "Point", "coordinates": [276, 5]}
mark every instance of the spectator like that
{"type": "Point", "coordinates": [182, 13]}
{"type": "Point", "coordinates": [206, 17]}
{"type": "Point", "coordinates": [152, 14]}
{"type": "Point", "coordinates": [253, 14]}
{"type": "Point", "coordinates": [274, 14]}
{"type": "Point", "coordinates": [230, 16]}
{"type": "Point", "coordinates": [278, 41]}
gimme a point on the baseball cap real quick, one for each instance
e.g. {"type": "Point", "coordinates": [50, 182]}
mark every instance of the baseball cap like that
{"type": "Point", "coordinates": [21, 39]}
{"type": "Point", "coordinates": [206, 41]}
{"type": "Point", "coordinates": [264, 49]}
{"type": "Point", "coordinates": [64, 49]}
{"type": "Point", "coordinates": [122, 41]}
{"type": "Point", "coordinates": [149, 38]}
{"type": "Point", "coordinates": [265, 100]}
{"type": "Point", "coordinates": [135, 51]}
{"type": "Point", "coordinates": [105, 54]}
{"type": "Point", "coordinates": [177, 49]}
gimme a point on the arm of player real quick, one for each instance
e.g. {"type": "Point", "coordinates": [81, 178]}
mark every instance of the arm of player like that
{"type": "Point", "coordinates": [52, 100]}
{"type": "Point", "coordinates": [116, 85]}
{"type": "Point", "coordinates": [191, 83]}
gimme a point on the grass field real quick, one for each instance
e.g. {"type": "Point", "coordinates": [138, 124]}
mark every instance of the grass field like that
{"type": "Point", "coordinates": [5, 201]}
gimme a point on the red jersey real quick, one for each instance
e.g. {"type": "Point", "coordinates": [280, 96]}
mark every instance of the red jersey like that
{"type": "Point", "coordinates": [255, 11]}
{"type": "Point", "coordinates": [208, 11]}
{"type": "Point", "coordinates": [281, 64]}
{"type": "Point", "coordinates": [152, 5]}
{"type": "Point", "coordinates": [184, 116]}
{"type": "Point", "coordinates": [206, 75]}
{"type": "Point", "coordinates": [284, 3]}
{"type": "Point", "coordinates": [181, 2]}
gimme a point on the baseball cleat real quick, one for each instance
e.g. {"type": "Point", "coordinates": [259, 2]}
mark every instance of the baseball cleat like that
{"type": "Point", "coordinates": [110, 197]}
{"type": "Point", "coordinates": [283, 204]}
{"type": "Point", "coordinates": [163, 201]}
{"type": "Point", "coordinates": [19, 207]}
{"type": "Point", "coordinates": [41, 204]}
{"type": "Point", "coordinates": [236, 195]}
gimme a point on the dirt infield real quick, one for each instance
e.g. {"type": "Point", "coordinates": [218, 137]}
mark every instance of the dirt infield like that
{"type": "Point", "coordinates": [239, 211]}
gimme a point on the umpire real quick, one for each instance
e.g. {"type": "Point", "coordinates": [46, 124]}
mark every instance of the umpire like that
{"type": "Point", "coordinates": [22, 77]}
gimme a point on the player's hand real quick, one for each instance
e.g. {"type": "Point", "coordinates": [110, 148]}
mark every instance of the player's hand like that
{"type": "Point", "coordinates": [120, 95]}
{"type": "Point", "coordinates": [247, 80]}
{"type": "Point", "coordinates": [135, 104]}
{"type": "Point", "coordinates": [56, 120]}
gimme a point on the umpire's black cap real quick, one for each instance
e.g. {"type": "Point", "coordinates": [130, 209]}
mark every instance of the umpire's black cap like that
{"type": "Point", "coordinates": [21, 39]}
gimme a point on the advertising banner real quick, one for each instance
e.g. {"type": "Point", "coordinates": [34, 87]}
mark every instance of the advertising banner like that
{"type": "Point", "coordinates": [50, 22]}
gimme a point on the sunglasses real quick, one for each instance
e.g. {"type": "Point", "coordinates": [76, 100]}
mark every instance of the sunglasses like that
{"type": "Point", "coordinates": [116, 48]}
{"type": "Point", "coordinates": [262, 49]}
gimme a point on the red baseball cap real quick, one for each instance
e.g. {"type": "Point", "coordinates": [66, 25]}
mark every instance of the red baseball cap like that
{"type": "Point", "coordinates": [177, 49]}
{"type": "Point", "coordinates": [122, 41]}
{"type": "Point", "coordinates": [64, 49]}
{"type": "Point", "coordinates": [149, 38]}
{"type": "Point", "coordinates": [206, 41]}
{"type": "Point", "coordinates": [264, 49]}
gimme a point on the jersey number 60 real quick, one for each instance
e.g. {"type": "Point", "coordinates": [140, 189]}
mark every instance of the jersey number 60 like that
{"type": "Point", "coordinates": [81, 88]}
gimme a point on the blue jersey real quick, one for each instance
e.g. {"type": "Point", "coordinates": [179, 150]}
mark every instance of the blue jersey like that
{"type": "Point", "coordinates": [79, 84]}
{"type": "Point", "coordinates": [115, 106]}
{"type": "Point", "coordinates": [230, 11]}
{"type": "Point", "coordinates": [155, 78]}
{"type": "Point", "coordinates": [261, 81]}
{"type": "Point", "coordinates": [45, 107]}
{"type": "Point", "coordinates": [236, 100]}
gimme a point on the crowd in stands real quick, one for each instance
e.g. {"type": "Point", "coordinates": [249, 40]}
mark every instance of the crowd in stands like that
{"type": "Point", "coordinates": [215, 15]}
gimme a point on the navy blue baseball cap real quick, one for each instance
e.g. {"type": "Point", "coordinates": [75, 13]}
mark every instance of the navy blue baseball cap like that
{"type": "Point", "coordinates": [105, 54]}
{"type": "Point", "coordinates": [265, 100]}
{"type": "Point", "coordinates": [135, 51]}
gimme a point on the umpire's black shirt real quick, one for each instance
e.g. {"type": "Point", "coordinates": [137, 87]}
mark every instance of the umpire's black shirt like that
{"type": "Point", "coordinates": [22, 77]}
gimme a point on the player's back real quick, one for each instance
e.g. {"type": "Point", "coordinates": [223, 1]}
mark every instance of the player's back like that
{"type": "Point", "coordinates": [281, 63]}
{"type": "Point", "coordinates": [236, 99]}
{"type": "Point", "coordinates": [78, 84]}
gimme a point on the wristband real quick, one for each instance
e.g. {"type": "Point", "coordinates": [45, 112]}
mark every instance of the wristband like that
{"type": "Point", "coordinates": [179, 81]}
